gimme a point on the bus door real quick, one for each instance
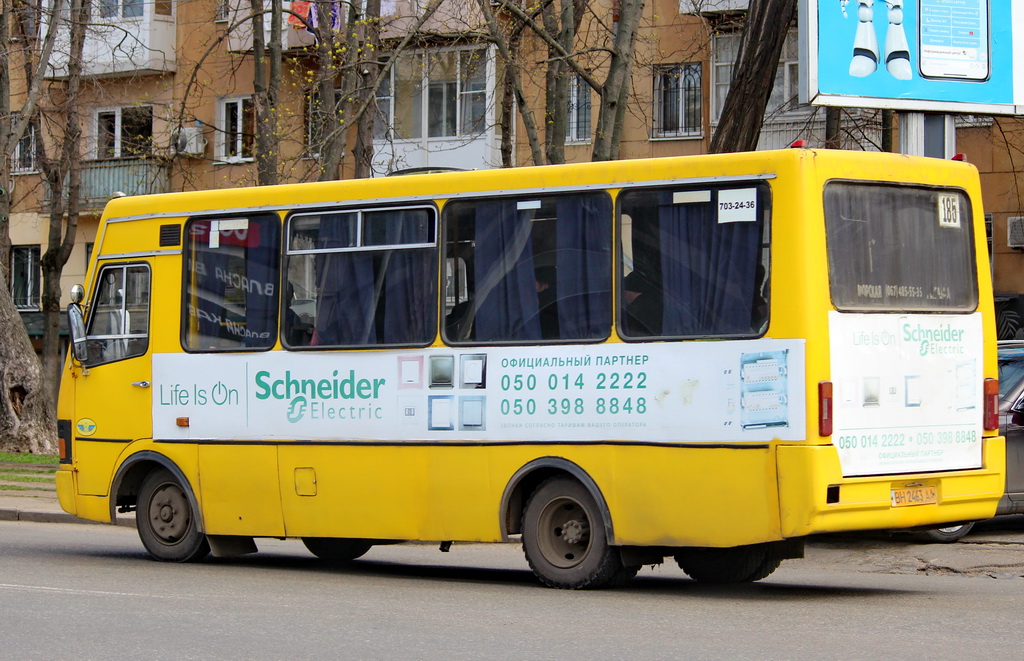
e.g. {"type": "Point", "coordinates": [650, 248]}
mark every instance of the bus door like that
{"type": "Point", "coordinates": [112, 388]}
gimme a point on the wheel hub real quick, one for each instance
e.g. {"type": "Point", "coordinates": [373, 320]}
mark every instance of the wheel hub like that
{"type": "Point", "coordinates": [573, 531]}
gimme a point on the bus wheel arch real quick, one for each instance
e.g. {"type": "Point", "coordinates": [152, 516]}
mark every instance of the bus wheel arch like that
{"type": "Point", "coordinates": [527, 479]}
{"type": "Point", "coordinates": [124, 490]}
{"type": "Point", "coordinates": [167, 513]}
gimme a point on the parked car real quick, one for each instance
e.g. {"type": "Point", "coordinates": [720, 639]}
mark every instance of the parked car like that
{"type": "Point", "coordinates": [1011, 423]}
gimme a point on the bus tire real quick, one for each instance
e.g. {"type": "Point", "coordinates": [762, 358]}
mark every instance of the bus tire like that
{"type": "Point", "coordinates": [565, 541]}
{"type": "Point", "coordinates": [336, 550]}
{"type": "Point", "coordinates": [166, 522]}
{"type": "Point", "coordinates": [738, 564]}
{"type": "Point", "coordinates": [946, 535]}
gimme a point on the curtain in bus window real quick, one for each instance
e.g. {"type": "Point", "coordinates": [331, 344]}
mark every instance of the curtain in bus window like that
{"type": "Point", "coordinates": [410, 278]}
{"type": "Point", "coordinates": [506, 288]}
{"type": "Point", "coordinates": [708, 269]}
{"type": "Point", "coordinates": [584, 266]}
{"type": "Point", "coordinates": [261, 273]}
{"type": "Point", "coordinates": [345, 289]}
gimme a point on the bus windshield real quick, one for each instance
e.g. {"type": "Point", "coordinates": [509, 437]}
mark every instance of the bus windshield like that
{"type": "Point", "coordinates": [883, 248]}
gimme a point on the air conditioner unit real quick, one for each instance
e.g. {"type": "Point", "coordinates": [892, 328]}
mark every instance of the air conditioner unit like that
{"type": "Point", "coordinates": [1015, 232]}
{"type": "Point", "coordinates": [189, 141]}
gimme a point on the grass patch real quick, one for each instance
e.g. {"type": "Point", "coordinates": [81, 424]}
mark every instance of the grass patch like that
{"type": "Point", "coordinates": [42, 470]}
{"type": "Point", "coordinates": [28, 458]}
{"type": "Point", "coordinates": [11, 487]}
{"type": "Point", "coordinates": [26, 478]}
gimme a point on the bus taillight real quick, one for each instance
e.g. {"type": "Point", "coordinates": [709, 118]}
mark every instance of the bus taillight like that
{"type": "Point", "coordinates": [991, 420]}
{"type": "Point", "coordinates": [825, 408]}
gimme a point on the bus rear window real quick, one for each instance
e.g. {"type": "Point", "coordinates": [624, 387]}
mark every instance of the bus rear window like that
{"type": "Point", "coordinates": [900, 248]}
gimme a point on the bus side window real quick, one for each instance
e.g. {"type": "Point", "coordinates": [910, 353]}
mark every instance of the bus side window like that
{"type": "Point", "coordinates": [361, 277]}
{"type": "Point", "coordinates": [538, 268]}
{"type": "Point", "coordinates": [695, 261]}
{"type": "Point", "coordinates": [231, 276]}
{"type": "Point", "coordinates": [119, 316]}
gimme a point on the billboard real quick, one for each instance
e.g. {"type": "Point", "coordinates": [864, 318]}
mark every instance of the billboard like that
{"type": "Point", "coordinates": [953, 56]}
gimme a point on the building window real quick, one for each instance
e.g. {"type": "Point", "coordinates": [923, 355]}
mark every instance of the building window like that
{"type": "Point", "coordinates": [25, 151]}
{"type": "Point", "coordinates": [577, 126]}
{"type": "Point", "coordinates": [237, 129]}
{"type": "Point", "coordinates": [677, 101]}
{"type": "Point", "coordinates": [120, 8]}
{"type": "Point", "coordinates": [124, 132]}
{"type": "Point", "coordinates": [25, 277]}
{"type": "Point", "coordinates": [162, 7]}
{"type": "Point", "coordinates": [446, 92]}
{"type": "Point", "coordinates": [784, 98]}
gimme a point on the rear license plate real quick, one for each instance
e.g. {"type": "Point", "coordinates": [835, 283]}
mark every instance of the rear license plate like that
{"type": "Point", "coordinates": [919, 495]}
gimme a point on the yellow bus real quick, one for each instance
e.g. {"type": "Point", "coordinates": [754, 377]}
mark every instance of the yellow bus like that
{"type": "Point", "coordinates": [702, 358]}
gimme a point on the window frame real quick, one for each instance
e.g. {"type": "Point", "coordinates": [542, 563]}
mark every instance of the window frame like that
{"type": "Point", "coordinates": [859, 305]}
{"type": "Point", "coordinates": [242, 143]}
{"type": "Point", "coordinates": [124, 267]}
{"type": "Point", "coordinates": [448, 255]}
{"type": "Point", "coordinates": [579, 116]}
{"type": "Point", "coordinates": [119, 141]}
{"type": "Point", "coordinates": [455, 103]}
{"type": "Point", "coordinates": [787, 77]}
{"type": "Point", "coordinates": [30, 273]}
{"type": "Point", "coordinates": [189, 268]}
{"type": "Point", "coordinates": [360, 246]}
{"type": "Point", "coordinates": [685, 95]}
{"type": "Point", "coordinates": [27, 141]}
{"type": "Point", "coordinates": [765, 213]}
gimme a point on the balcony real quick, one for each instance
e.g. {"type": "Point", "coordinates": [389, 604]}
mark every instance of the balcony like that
{"type": "Point", "coordinates": [142, 44]}
{"type": "Point", "coordinates": [101, 179]}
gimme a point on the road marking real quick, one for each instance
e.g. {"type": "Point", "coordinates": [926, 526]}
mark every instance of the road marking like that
{"type": "Point", "coordinates": [104, 593]}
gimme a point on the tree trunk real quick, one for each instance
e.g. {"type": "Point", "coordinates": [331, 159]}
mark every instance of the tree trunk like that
{"type": "Point", "coordinates": [266, 82]}
{"type": "Point", "coordinates": [508, 50]}
{"type": "Point", "coordinates": [63, 219]}
{"type": "Point", "coordinates": [369, 70]}
{"type": "Point", "coordinates": [27, 421]}
{"type": "Point", "coordinates": [753, 75]}
{"type": "Point", "coordinates": [616, 85]}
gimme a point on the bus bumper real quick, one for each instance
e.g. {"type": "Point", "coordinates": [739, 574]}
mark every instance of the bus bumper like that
{"type": "Point", "coordinates": [816, 498]}
{"type": "Point", "coordinates": [92, 508]}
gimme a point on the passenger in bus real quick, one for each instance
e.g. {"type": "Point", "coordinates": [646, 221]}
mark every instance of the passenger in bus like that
{"type": "Point", "coordinates": [458, 323]}
{"type": "Point", "coordinates": [643, 305]}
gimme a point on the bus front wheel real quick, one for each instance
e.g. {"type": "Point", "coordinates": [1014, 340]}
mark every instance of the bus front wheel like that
{"type": "Point", "coordinates": [166, 522]}
{"type": "Point", "coordinates": [336, 550]}
{"type": "Point", "coordinates": [565, 541]}
{"type": "Point", "coordinates": [739, 564]}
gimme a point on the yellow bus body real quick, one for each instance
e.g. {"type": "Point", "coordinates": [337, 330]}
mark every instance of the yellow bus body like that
{"type": "Point", "coordinates": [657, 495]}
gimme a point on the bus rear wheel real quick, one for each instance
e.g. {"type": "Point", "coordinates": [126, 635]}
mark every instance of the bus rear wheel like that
{"type": "Point", "coordinates": [166, 522]}
{"type": "Point", "coordinates": [565, 541]}
{"type": "Point", "coordinates": [336, 550]}
{"type": "Point", "coordinates": [738, 564]}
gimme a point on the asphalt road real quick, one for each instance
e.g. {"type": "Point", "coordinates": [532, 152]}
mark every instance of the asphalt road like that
{"type": "Point", "coordinates": [89, 592]}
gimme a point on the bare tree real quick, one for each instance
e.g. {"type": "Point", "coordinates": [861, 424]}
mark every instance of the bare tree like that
{"type": "Point", "coordinates": [27, 422]}
{"type": "Point", "coordinates": [62, 175]}
{"type": "Point", "coordinates": [558, 26]}
{"type": "Point", "coordinates": [764, 34]}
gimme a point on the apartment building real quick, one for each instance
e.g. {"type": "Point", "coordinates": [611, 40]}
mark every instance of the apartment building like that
{"type": "Point", "coordinates": [168, 104]}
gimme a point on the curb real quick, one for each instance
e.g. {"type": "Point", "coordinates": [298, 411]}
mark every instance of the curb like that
{"type": "Point", "coordinates": [49, 516]}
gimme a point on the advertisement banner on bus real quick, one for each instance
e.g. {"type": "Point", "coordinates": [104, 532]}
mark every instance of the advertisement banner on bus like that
{"type": "Point", "coordinates": [709, 392]}
{"type": "Point", "coordinates": [910, 398]}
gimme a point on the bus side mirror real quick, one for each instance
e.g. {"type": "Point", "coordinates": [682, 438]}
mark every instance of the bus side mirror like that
{"type": "Point", "coordinates": [76, 325]}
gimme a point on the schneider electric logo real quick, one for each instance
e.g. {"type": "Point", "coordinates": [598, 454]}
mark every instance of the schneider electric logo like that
{"type": "Point", "coordinates": [297, 409]}
{"type": "Point", "coordinates": [335, 397]}
{"type": "Point", "coordinates": [935, 341]}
